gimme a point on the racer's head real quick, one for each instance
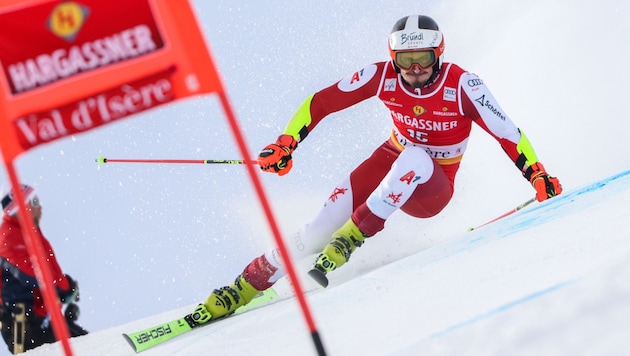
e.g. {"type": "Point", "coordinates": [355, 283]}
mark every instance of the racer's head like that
{"type": "Point", "coordinates": [10, 206]}
{"type": "Point", "coordinates": [416, 46]}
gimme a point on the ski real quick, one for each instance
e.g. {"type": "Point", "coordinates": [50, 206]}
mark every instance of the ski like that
{"type": "Point", "coordinates": [157, 334]}
{"type": "Point", "coordinates": [319, 277]}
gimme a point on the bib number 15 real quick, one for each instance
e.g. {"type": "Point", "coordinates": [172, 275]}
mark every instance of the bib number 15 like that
{"type": "Point", "coordinates": [418, 135]}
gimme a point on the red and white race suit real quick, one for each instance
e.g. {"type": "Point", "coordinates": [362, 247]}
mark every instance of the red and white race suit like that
{"type": "Point", "coordinates": [414, 169]}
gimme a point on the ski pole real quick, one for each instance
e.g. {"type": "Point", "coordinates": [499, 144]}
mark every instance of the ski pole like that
{"type": "Point", "coordinates": [102, 160]}
{"type": "Point", "coordinates": [506, 214]}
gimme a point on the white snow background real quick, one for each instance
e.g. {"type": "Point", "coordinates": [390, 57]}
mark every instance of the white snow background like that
{"type": "Point", "coordinates": [148, 242]}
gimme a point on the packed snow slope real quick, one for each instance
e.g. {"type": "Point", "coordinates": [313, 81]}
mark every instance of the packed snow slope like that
{"type": "Point", "coordinates": [147, 239]}
{"type": "Point", "coordinates": [551, 279]}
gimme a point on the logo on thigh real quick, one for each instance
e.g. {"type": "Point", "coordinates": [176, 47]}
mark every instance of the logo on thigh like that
{"type": "Point", "coordinates": [395, 198]}
{"type": "Point", "coordinates": [336, 193]}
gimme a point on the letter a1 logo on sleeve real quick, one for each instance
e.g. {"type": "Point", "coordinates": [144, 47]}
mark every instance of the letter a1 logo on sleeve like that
{"type": "Point", "coordinates": [357, 79]}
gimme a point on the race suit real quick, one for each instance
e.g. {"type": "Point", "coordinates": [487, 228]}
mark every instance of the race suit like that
{"type": "Point", "coordinates": [19, 286]}
{"type": "Point", "coordinates": [414, 169]}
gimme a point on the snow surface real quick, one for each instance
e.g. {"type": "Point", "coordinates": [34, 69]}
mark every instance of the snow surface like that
{"type": "Point", "coordinates": [143, 240]}
{"type": "Point", "coordinates": [548, 280]}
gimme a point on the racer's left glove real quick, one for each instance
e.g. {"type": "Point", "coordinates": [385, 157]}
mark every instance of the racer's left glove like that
{"type": "Point", "coordinates": [546, 186]}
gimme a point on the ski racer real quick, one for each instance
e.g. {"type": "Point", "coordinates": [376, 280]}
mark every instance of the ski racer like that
{"type": "Point", "coordinates": [432, 105]}
{"type": "Point", "coordinates": [25, 321]}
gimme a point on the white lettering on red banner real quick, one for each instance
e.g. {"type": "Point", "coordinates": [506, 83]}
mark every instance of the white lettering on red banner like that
{"type": "Point", "coordinates": [62, 63]}
{"type": "Point", "coordinates": [91, 112]}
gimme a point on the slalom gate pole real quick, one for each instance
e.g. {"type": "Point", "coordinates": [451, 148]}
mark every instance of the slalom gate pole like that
{"type": "Point", "coordinates": [506, 214]}
{"type": "Point", "coordinates": [273, 225]}
{"type": "Point", "coordinates": [102, 160]}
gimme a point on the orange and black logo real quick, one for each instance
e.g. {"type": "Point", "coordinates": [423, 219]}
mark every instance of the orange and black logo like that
{"type": "Point", "coordinates": [418, 110]}
{"type": "Point", "coordinates": [66, 19]}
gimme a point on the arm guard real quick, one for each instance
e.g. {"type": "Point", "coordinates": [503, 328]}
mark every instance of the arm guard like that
{"type": "Point", "coordinates": [301, 120]}
{"type": "Point", "coordinates": [526, 156]}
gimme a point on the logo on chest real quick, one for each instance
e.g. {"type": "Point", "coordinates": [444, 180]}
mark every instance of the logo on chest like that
{"type": "Point", "coordinates": [450, 94]}
{"type": "Point", "coordinates": [390, 84]}
{"type": "Point", "coordinates": [418, 110]}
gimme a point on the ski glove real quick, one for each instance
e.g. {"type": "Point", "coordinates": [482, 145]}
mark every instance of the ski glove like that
{"type": "Point", "coordinates": [546, 186]}
{"type": "Point", "coordinates": [276, 157]}
{"type": "Point", "coordinates": [72, 295]}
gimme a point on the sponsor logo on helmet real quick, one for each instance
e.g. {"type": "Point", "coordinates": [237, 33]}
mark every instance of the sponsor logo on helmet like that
{"type": "Point", "coordinates": [411, 37]}
{"type": "Point", "coordinates": [435, 40]}
{"type": "Point", "coordinates": [415, 40]}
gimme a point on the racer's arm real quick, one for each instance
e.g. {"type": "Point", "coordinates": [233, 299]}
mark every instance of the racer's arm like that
{"type": "Point", "coordinates": [25, 275]}
{"type": "Point", "coordinates": [67, 288]}
{"type": "Point", "coordinates": [479, 104]}
{"type": "Point", "coordinates": [361, 85]}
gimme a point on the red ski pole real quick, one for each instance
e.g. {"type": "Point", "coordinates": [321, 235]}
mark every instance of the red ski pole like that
{"type": "Point", "coordinates": [102, 160]}
{"type": "Point", "coordinates": [506, 214]}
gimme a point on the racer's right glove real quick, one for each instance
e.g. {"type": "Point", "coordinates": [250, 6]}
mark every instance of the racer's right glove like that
{"type": "Point", "coordinates": [276, 157]}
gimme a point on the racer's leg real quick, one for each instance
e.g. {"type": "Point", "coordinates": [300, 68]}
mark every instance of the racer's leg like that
{"type": "Point", "coordinates": [415, 183]}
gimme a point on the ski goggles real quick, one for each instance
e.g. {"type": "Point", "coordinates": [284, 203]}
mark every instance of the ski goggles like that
{"type": "Point", "coordinates": [10, 207]}
{"type": "Point", "coordinates": [35, 202]}
{"type": "Point", "coordinates": [425, 59]}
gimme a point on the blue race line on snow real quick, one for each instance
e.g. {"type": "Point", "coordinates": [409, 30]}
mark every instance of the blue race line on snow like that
{"type": "Point", "coordinates": [565, 204]}
{"type": "Point", "coordinates": [505, 307]}
{"type": "Point", "coordinates": [502, 308]}
{"type": "Point", "coordinates": [560, 206]}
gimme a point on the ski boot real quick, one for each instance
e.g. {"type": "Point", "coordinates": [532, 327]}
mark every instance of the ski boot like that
{"type": "Point", "coordinates": [224, 301]}
{"type": "Point", "coordinates": [343, 242]}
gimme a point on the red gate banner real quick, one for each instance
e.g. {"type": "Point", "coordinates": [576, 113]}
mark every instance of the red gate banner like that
{"type": "Point", "coordinates": [70, 66]}
{"type": "Point", "coordinates": [67, 67]}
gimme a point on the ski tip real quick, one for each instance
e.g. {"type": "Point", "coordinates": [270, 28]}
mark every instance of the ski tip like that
{"type": "Point", "coordinates": [319, 277]}
{"type": "Point", "coordinates": [128, 338]}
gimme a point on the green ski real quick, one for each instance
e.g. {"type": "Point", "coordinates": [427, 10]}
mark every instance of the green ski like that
{"type": "Point", "coordinates": [157, 334]}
